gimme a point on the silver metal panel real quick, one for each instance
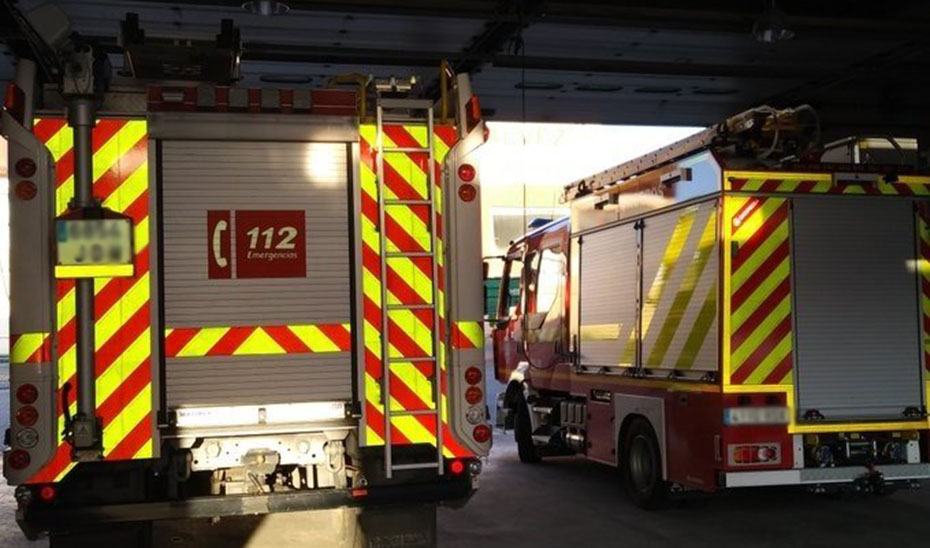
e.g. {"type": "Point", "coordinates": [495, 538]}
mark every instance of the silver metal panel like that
{"type": "Point", "coordinates": [233, 127]}
{"type": "Point", "coordinates": [608, 295]}
{"type": "Point", "coordinates": [676, 333]}
{"type": "Point", "coordinates": [856, 302]}
{"type": "Point", "coordinates": [197, 176]}
{"type": "Point", "coordinates": [891, 472]}
{"type": "Point", "coordinates": [258, 380]}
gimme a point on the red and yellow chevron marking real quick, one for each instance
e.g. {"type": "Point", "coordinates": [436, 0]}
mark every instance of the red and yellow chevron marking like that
{"type": "Point", "coordinates": [820, 183]}
{"type": "Point", "coordinates": [123, 331]}
{"type": "Point", "coordinates": [923, 261]}
{"type": "Point", "coordinates": [30, 348]}
{"type": "Point", "coordinates": [409, 281]}
{"type": "Point", "coordinates": [195, 342]}
{"type": "Point", "coordinates": [466, 335]}
{"type": "Point", "coordinates": [757, 303]}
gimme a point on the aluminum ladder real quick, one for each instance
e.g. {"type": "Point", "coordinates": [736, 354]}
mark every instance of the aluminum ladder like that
{"type": "Point", "coordinates": [398, 111]}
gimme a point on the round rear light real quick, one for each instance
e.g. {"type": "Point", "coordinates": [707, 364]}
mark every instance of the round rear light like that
{"type": "Point", "coordinates": [481, 433]}
{"type": "Point", "coordinates": [18, 459]}
{"type": "Point", "coordinates": [27, 438]}
{"type": "Point", "coordinates": [473, 375]}
{"type": "Point", "coordinates": [27, 415]}
{"type": "Point", "coordinates": [473, 395]}
{"type": "Point", "coordinates": [467, 172]}
{"type": "Point", "coordinates": [467, 192]}
{"type": "Point", "coordinates": [25, 167]}
{"type": "Point", "coordinates": [474, 415]}
{"type": "Point", "coordinates": [457, 467]}
{"type": "Point", "coordinates": [47, 493]}
{"type": "Point", "coordinates": [27, 394]}
{"type": "Point", "coordinates": [26, 190]}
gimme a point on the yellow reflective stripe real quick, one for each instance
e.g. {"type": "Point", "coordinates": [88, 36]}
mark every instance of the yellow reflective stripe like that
{"type": "Point", "coordinates": [683, 297]}
{"type": "Point", "coordinates": [759, 334]}
{"type": "Point", "coordinates": [61, 142]}
{"type": "Point", "coordinates": [757, 297]}
{"type": "Point", "coordinates": [600, 332]}
{"type": "Point", "coordinates": [119, 144]}
{"type": "Point", "coordinates": [419, 231]}
{"type": "Point", "coordinates": [370, 235]}
{"type": "Point", "coordinates": [416, 382]}
{"type": "Point", "coordinates": [25, 345]}
{"type": "Point", "coordinates": [702, 324]}
{"type": "Point", "coordinates": [202, 342]}
{"type": "Point", "coordinates": [127, 419]}
{"type": "Point", "coordinates": [411, 274]}
{"type": "Point", "coordinates": [116, 316]}
{"type": "Point", "coordinates": [440, 149]}
{"type": "Point", "coordinates": [372, 437]}
{"type": "Point", "coordinates": [412, 428]}
{"type": "Point", "coordinates": [673, 250]}
{"type": "Point", "coordinates": [258, 342]}
{"type": "Point", "coordinates": [407, 321]}
{"type": "Point", "coordinates": [755, 220]}
{"type": "Point", "coordinates": [144, 452]}
{"type": "Point", "coordinates": [114, 375]}
{"type": "Point", "coordinates": [131, 188]}
{"type": "Point", "coordinates": [371, 286]}
{"type": "Point", "coordinates": [94, 271]}
{"type": "Point", "coordinates": [418, 132]}
{"type": "Point", "coordinates": [771, 361]}
{"type": "Point", "coordinates": [763, 252]}
{"type": "Point", "coordinates": [141, 239]}
{"type": "Point", "coordinates": [473, 331]}
{"type": "Point", "coordinates": [315, 339]}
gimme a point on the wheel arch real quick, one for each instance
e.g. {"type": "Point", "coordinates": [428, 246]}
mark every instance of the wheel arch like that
{"type": "Point", "coordinates": [628, 408]}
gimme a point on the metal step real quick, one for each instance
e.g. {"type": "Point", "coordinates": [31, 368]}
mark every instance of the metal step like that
{"type": "Point", "coordinates": [418, 359]}
{"type": "Point", "coordinates": [410, 307]}
{"type": "Point", "coordinates": [415, 466]}
{"type": "Point", "coordinates": [413, 413]}
{"type": "Point", "coordinates": [388, 150]}
{"type": "Point", "coordinates": [407, 202]}
{"type": "Point", "coordinates": [392, 254]}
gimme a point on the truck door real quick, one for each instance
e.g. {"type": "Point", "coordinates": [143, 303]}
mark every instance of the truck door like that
{"type": "Point", "coordinates": [508, 333]}
{"type": "Point", "coordinates": [857, 318]}
{"type": "Point", "coordinates": [545, 277]}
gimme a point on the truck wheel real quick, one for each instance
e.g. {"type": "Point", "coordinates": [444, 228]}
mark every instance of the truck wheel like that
{"type": "Point", "coordinates": [642, 466]}
{"type": "Point", "coordinates": [523, 433]}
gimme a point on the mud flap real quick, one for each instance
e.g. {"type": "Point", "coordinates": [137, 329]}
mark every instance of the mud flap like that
{"type": "Point", "coordinates": [399, 526]}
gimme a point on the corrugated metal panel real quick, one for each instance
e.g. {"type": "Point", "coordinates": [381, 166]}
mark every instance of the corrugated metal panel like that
{"type": "Point", "coordinates": [198, 176]}
{"type": "Point", "coordinates": [608, 296]}
{"type": "Point", "coordinates": [679, 335]}
{"type": "Point", "coordinates": [856, 307]}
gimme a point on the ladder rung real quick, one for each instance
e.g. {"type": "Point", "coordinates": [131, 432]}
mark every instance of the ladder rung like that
{"type": "Point", "coordinates": [413, 413]}
{"type": "Point", "coordinates": [406, 202]}
{"type": "Point", "coordinates": [410, 254]}
{"type": "Point", "coordinates": [410, 306]}
{"type": "Point", "coordinates": [404, 149]}
{"type": "Point", "coordinates": [418, 359]}
{"type": "Point", "coordinates": [415, 466]}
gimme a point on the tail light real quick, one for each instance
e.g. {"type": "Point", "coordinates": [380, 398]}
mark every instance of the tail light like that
{"type": "Point", "coordinates": [473, 395]}
{"type": "Point", "coordinates": [467, 192]}
{"type": "Point", "coordinates": [47, 494]}
{"type": "Point", "coordinates": [27, 394]}
{"type": "Point", "coordinates": [755, 453]}
{"type": "Point", "coordinates": [457, 467]}
{"type": "Point", "coordinates": [26, 190]}
{"type": "Point", "coordinates": [25, 167]}
{"type": "Point", "coordinates": [18, 459]}
{"type": "Point", "coordinates": [27, 415]}
{"type": "Point", "coordinates": [481, 433]}
{"type": "Point", "coordinates": [467, 172]}
{"type": "Point", "coordinates": [473, 375]}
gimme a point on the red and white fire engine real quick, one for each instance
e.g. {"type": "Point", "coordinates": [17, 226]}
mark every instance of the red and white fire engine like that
{"type": "Point", "coordinates": [740, 308]}
{"type": "Point", "coordinates": [230, 301]}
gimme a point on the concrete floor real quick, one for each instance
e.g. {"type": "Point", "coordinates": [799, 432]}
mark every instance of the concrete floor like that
{"type": "Point", "coordinates": [568, 501]}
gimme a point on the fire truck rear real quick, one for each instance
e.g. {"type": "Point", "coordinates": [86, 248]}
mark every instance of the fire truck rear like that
{"type": "Point", "coordinates": [231, 301]}
{"type": "Point", "coordinates": [741, 308]}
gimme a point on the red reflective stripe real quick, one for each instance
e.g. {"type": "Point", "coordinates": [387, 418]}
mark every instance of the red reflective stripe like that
{"type": "Point", "coordinates": [399, 185]}
{"type": "Point", "coordinates": [737, 184]}
{"type": "Point", "coordinates": [780, 372]}
{"type": "Point", "coordinates": [132, 328]}
{"type": "Point", "coordinates": [230, 341]}
{"type": "Point", "coordinates": [400, 136]}
{"type": "Point", "coordinates": [290, 342]}
{"type": "Point", "coordinates": [133, 441]}
{"type": "Point", "coordinates": [400, 289]}
{"type": "Point", "coordinates": [806, 186]}
{"type": "Point", "coordinates": [177, 340]}
{"type": "Point", "coordinates": [126, 165]}
{"type": "Point", "coordinates": [400, 237]}
{"type": "Point", "coordinates": [760, 275]}
{"type": "Point", "coordinates": [771, 185]}
{"type": "Point", "coordinates": [764, 349]}
{"type": "Point", "coordinates": [772, 300]}
{"type": "Point", "coordinates": [338, 334]}
{"type": "Point", "coordinates": [131, 386]}
{"type": "Point", "coordinates": [47, 128]}
{"type": "Point", "coordinates": [56, 465]}
{"type": "Point", "coordinates": [746, 250]}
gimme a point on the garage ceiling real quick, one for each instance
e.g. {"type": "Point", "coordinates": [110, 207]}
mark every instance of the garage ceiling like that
{"type": "Point", "coordinates": [862, 64]}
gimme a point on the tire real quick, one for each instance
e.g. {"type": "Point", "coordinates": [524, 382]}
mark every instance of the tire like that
{"type": "Point", "coordinates": [523, 433]}
{"type": "Point", "coordinates": [642, 466]}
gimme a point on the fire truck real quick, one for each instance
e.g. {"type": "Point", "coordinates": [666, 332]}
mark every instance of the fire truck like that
{"type": "Point", "coordinates": [232, 301]}
{"type": "Point", "coordinates": [741, 308]}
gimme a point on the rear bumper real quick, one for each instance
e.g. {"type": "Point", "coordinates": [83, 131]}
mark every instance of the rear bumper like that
{"type": "Point", "coordinates": [43, 518]}
{"type": "Point", "coordinates": [817, 476]}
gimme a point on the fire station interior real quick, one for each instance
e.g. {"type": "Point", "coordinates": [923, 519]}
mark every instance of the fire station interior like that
{"type": "Point", "coordinates": [592, 85]}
